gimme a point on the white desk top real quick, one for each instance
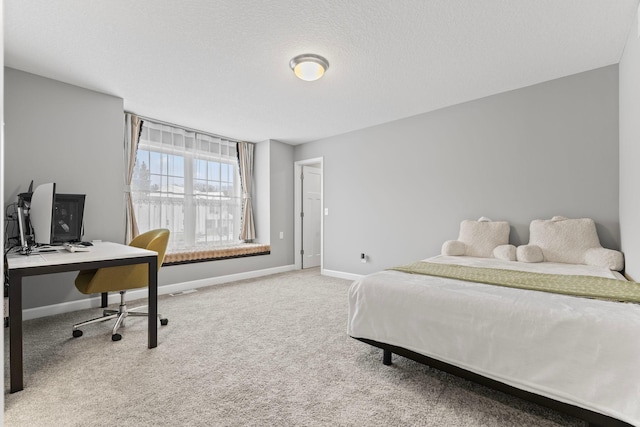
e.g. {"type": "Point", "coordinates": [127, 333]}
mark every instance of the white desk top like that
{"type": "Point", "coordinates": [99, 252]}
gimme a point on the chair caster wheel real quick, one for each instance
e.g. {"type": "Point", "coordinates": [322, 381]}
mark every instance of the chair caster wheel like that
{"type": "Point", "coordinates": [164, 322]}
{"type": "Point", "coordinates": [116, 337]}
{"type": "Point", "coordinates": [77, 333]}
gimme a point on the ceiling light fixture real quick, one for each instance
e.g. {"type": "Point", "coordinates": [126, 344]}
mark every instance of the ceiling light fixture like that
{"type": "Point", "coordinates": [309, 67]}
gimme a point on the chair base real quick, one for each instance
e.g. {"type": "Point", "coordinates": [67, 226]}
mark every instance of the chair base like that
{"type": "Point", "coordinates": [120, 315]}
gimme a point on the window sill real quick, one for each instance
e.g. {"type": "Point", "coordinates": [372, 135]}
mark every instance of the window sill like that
{"type": "Point", "coordinates": [192, 256]}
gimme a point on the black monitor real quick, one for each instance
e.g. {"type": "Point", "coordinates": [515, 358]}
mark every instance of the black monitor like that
{"type": "Point", "coordinates": [68, 214]}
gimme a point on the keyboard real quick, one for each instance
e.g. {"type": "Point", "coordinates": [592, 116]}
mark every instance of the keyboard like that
{"type": "Point", "coordinates": [74, 247]}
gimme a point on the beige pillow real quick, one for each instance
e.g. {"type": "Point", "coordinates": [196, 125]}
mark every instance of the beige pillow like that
{"type": "Point", "coordinates": [607, 258]}
{"type": "Point", "coordinates": [453, 248]}
{"type": "Point", "coordinates": [564, 240]}
{"type": "Point", "coordinates": [529, 253]}
{"type": "Point", "coordinates": [482, 237]}
{"type": "Point", "coordinates": [505, 252]}
{"type": "Point", "coordinates": [571, 241]}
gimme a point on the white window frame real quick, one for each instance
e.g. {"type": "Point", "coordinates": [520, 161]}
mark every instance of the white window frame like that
{"type": "Point", "coordinates": [191, 197]}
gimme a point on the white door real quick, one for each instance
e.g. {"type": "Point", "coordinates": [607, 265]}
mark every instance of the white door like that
{"type": "Point", "coordinates": [311, 217]}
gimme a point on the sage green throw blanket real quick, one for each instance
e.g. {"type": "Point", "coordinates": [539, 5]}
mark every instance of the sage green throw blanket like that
{"type": "Point", "coordinates": [580, 286]}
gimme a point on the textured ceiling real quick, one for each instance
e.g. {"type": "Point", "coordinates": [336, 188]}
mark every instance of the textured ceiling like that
{"type": "Point", "coordinates": [222, 66]}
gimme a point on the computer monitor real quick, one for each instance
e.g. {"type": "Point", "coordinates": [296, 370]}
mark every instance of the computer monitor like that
{"type": "Point", "coordinates": [67, 218]}
{"type": "Point", "coordinates": [41, 213]}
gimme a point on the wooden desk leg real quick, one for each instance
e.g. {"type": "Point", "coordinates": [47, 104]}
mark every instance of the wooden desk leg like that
{"type": "Point", "coordinates": [15, 332]}
{"type": "Point", "coordinates": [153, 303]}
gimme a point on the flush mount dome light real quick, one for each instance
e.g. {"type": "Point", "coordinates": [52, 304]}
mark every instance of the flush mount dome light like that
{"type": "Point", "coordinates": [309, 67]}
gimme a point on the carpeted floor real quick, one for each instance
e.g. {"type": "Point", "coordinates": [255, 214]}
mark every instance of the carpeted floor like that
{"type": "Point", "coordinates": [263, 352]}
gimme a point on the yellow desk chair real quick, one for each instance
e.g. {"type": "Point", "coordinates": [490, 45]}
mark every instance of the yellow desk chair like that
{"type": "Point", "coordinates": [121, 279]}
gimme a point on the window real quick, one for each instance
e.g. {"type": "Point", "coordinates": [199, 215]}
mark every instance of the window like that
{"type": "Point", "coordinates": [187, 182]}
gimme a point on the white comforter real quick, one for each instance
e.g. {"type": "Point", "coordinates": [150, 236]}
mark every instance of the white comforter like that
{"type": "Point", "coordinates": [576, 350]}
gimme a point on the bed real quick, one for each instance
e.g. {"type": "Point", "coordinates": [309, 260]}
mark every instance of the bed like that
{"type": "Point", "coordinates": [578, 355]}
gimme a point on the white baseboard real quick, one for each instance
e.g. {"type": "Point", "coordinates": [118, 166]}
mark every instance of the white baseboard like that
{"type": "Point", "coordinates": [341, 275]}
{"type": "Point", "coordinates": [66, 307]}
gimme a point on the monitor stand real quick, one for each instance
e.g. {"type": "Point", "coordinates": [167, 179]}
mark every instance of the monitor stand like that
{"type": "Point", "coordinates": [24, 246]}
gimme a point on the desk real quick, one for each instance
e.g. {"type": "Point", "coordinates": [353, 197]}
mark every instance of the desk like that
{"type": "Point", "coordinates": [104, 254]}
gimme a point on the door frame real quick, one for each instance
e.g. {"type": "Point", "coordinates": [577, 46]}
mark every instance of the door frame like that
{"type": "Point", "coordinates": [297, 205]}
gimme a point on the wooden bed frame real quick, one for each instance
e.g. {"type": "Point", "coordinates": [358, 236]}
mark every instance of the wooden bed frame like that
{"type": "Point", "coordinates": [594, 419]}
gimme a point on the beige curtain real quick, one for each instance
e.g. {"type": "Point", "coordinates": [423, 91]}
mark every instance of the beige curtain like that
{"type": "Point", "coordinates": [245, 163]}
{"type": "Point", "coordinates": [132, 127]}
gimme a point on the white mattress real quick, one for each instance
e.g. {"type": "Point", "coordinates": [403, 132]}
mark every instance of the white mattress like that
{"type": "Point", "coordinates": [580, 351]}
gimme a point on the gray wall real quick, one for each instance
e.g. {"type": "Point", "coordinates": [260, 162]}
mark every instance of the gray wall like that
{"type": "Point", "coordinates": [282, 211]}
{"type": "Point", "coordinates": [399, 190]}
{"type": "Point", "coordinates": [630, 152]}
{"type": "Point", "coordinates": [59, 133]}
{"type": "Point", "coordinates": [55, 132]}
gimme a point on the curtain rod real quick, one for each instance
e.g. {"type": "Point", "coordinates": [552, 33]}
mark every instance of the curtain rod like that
{"type": "Point", "coordinates": [161, 122]}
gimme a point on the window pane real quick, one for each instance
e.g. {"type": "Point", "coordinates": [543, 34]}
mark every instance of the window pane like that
{"type": "Point", "coordinates": [176, 165]}
{"type": "Point", "coordinates": [200, 185]}
{"type": "Point", "coordinates": [140, 179]}
{"type": "Point", "coordinates": [167, 137]}
{"type": "Point", "coordinates": [163, 184]}
{"type": "Point", "coordinates": [214, 171]}
{"type": "Point", "coordinates": [200, 169]}
{"type": "Point", "coordinates": [142, 156]}
{"type": "Point", "coordinates": [176, 185]}
{"type": "Point", "coordinates": [224, 172]}
{"type": "Point", "coordinates": [154, 135]}
{"type": "Point", "coordinates": [155, 182]}
{"type": "Point", "coordinates": [155, 162]}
